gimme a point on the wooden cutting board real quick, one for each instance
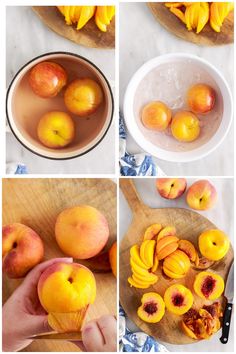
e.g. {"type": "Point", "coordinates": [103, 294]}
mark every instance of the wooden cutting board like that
{"type": "Point", "coordinates": [36, 203]}
{"type": "Point", "coordinates": [206, 37]}
{"type": "Point", "coordinates": [88, 36]}
{"type": "Point", "coordinates": [189, 225]}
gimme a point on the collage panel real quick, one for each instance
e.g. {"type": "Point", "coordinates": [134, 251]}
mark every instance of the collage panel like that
{"type": "Point", "coordinates": [175, 91]}
{"type": "Point", "coordinates": [60, 71]}
{"type": "Point", "coordinates": [59, 265]}
{"type": "Point", "coordinates": [176, 265]}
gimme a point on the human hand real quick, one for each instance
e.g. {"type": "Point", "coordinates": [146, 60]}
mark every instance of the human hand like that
{"type": "Point", "coordinates": [22, 314]}
{"type": "Point", "coordinates": [99, 335]}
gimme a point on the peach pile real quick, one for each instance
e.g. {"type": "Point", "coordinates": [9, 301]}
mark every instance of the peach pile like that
{"type": "Point", "coordinates": [82, 97]}
{"type": "Point", "coordinates": [161, 248]}
{"type": "Point", "coordinates": [184, 125]}
{"type": "Point", "coordinates": [22, 249]}
{"type": "Point", "coordinates": [81, 232]}
{"type": "Point", "coordinates": [76, 290]}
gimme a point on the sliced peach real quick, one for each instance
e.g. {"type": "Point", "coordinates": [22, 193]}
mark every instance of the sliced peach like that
{"type": "Point", "coordinates": [188, 331]}
{"type": "Point", "coordinates": [140, 281]}
{"type": "Point", "coordinates": [178, 299]}
{"type": "Point", "coordinates": [137, 285]}
{"type": "Point", "coordinates": [134, 253]}
{"type": "Point", "coordinates": [167, 231]}
{"type": "Point", "coordinates": [152, 231]}
{"type": "Point", "coordinates": [177, 263]}
{"type": "Point", "coordinates": [172, 275]}
{"type": "Point", "coordinates": [188, 248]}
{"type": "Point", "coordinates": [147, 250]}
{"type": "Point", "coordinates": [152, 308]}
{"type": "Point", "coordinates": [166, 246]}
{"type": "Point", "coordinates": [139, 270]}
{"type": "Point", "coordinates": [208, 285]}
{"type": "Point", "coordinates": [150, 280]}
{"type": "Point", "coordinates": [155, 264]}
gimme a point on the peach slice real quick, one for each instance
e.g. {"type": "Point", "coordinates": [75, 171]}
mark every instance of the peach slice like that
{"type": "Point", "coordinates": [177, 263]}
{"type": "Point", "coordinates": [202, 263]}
{"type": "Point", "coordinates": [178, 299]}
{"type": "Point", "coordinates": [208, 285]}
{"type": "Point", "coordinates": [134, 254]}
{"type": "Point", "coordinates": [143, 281]}
{"type": "Point", "coordinates": [188, 248]}
{"type": "Point", "coordinates": [166, 246]}
{"type": "Point", "coordinates": [147, 250]}
{"type": "Point", "coordinates": [132, 282]}
{"type": "Point", "coordinates": [188, 331]}
{"type": "Point", "coordinates": [152, 231]}
{"type": "Point", "coordinates": [166, 231]}
{"type": "Point", "coordinates": [144, 274]}
{"type": "Point", "coordinates": [152, 308]}
{"type": "Point", "coordinates": [155, 264]}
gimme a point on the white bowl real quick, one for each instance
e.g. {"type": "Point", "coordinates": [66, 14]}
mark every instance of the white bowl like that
{"type": "Point", "coordinates": [197, 152]}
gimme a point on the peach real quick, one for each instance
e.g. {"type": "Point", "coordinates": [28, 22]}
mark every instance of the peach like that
{"type": "Point", "coordinates": [166, 231]}
{"type": "Point", "coordinates": [171, 188]}
{"type": "Point", "coordinates": [152, 308]}
{"type": "Point", "coordinates": [22, 249]}
{"type": "Point", "coordinates": [188, 248]}
{"type": "Point", "coordinates": [156, 115]}
{"type": "Point", "coordinates": [56, 130]}
{"type": "Point", "coordinates": [209, 285]}
{"type": "Point", "coordinates": [178, 299]}
{"type": "Point", "coordinates": [47, 79]}
{"type": "Point", "coordinates": [65, 291]}
{"type": "Point", "coordinates": [165, 246]}
{"type": "Point", "coordinates": [176, 265]}
{"type": "Point", "coordinates": [113, 258]}
{"type": "Point", "coordinates": [201, 98]}
{"type": "Point", "coordinates": [81, 231]}
{"type": "Point", "coordinates": [83, 97]}
{"type": "Point", "coordinates": [213, 244]}
{"type": "Point", "coordinates": [201, 195]}
{"type": "Point", "coordinates": [152, 231]}
{"type": "Point", "coordinates": [185, 126]}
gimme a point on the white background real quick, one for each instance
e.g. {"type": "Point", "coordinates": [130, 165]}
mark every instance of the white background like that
{"type": "Point", "coordinates": [222, 215]}
{"type": "Point", "coordinates": [143, 38]}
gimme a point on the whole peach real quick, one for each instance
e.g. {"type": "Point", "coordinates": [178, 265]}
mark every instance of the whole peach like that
{"type": "Point", "coordinates": [113, 258]}
{"type": "Point", "coordinates": [156, 115]}
{"type": "Point", "coordinates": [81, 232]}
{"type": "Point", "coordinates": [185, 126]}
{"type": "Point", "coordinates": [83, 97]}
{"type": "Point", "coordinates": [201, 98]}
{"type": "Point", "coordinates": [22, 249]}
{"type": "Point", "coordinates": [201, 195]}
{"type": "Point", "coordinates": [47, 79]}
{"type": "Point", "coordinates": [56, 129]}
{"type": "Point", "coordinates": [171, 188]}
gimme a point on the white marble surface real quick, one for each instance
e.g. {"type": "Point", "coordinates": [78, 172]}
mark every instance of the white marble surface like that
{"type": "Point", "coordinates": [143, 38]}
{"type": "Point", "coordinates": [28, 37]}
{"type": "Point", "coordinates": [222, 215]}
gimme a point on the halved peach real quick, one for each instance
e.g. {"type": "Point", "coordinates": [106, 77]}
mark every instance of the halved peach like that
{"type": "Point", "coordinates": [166, 246]}
{"type": "Point", "coordinates": [209, 285]}
{"type": "Point", "coordinates": [152, 308]}
{"type": "Point", "coordinates": [147, 250]}
{"type": "Point", "coordinates": [178, 299]}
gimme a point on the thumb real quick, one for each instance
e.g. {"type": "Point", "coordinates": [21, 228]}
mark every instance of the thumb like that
{"type": "Point", "coordinates": [38, 325]}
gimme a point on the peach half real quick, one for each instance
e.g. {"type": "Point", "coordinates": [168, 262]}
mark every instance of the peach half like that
{"type": "Point", "coordinates": [65, 291]}
{"type": "Point", "coordinates": [208, 285]}
{"type": "Point", "coordinates": [171, 188]}
{"type": "Point", "coordinates": [113, 258]}
{"type": "Point", "coordinates": [178, 299]}
{"type": "Point", "coordinates": [22, 249]}
{"type": "Point", "coordinates": [81, 232]}
{"type": "Point", "coordinates": [152, 308]}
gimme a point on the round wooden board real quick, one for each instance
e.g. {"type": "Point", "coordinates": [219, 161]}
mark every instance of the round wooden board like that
{"type": "Point", "coordinates": [189, 225]}
{"type": "Point", "coordinates": [36, 203]}
{"type": "Point", "coordinates": [88, 36]}
{"type": "Point", "coordinates": [206, 37]}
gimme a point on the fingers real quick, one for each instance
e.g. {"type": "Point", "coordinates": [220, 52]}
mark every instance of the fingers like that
{"type": "Point", "coordinates": [92, 337]}
{"type": "Point", "coordinates": [38, 325]}
{"type": "Point", "coordinates": [79, 344]}
{"type": "Point", "coordinates": [107, 326]}
{"type": "Point", "coordinates": [31, 280]}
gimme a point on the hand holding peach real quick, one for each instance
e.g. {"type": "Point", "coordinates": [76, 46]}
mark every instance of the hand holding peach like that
{"type": "Point", "coordinates": [22, 249]}
{"type": "Point", "coordinates": [47, 79]}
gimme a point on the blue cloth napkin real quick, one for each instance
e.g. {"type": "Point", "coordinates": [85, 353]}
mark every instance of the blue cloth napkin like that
{"type": "Point", "coordinates": [135, 164]}
{"type": "Point", "coordinates": [137, 341]}
{"type": "Point", "coordinates": [16, 168]}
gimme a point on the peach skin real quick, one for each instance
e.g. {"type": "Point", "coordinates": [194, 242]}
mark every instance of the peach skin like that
{"type": "Point", "coordinates": [171, 188]}
{"type": "Point", "coordinates": [81, 232]}
{"type": "Point", "coordinates": [201, 98]}
{"type": "Point", "coordinates": [185, 126]}
{"type": "Point", "coordinates": [22, 249]}
{"type": "Point", "coordinates": [201, 195]}
{"type": "Point", "coordinates": [156, 115]}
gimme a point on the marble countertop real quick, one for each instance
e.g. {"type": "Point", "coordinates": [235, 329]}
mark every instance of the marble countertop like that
{"type": "Point", "coordinates": [221, 215]}
{"type": "Point", "coordinates": [143, 38]}
{"type": "Point", "coordinates": [28, 37]}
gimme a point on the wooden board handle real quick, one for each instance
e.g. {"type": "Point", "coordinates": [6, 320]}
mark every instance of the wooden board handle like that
{"type": "Point", "coordinates": [128, 188]}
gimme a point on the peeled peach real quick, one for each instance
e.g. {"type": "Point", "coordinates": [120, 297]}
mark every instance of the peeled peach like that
{"type": "Point", "coordinates": [185, 126]}
{"type": "Point", "coordinates": [81, 231]}
{"type": "Point", "coordinates": [156, 115]}
{"type": "Point", "coordinates": [113, 258]}
{"type": "Point", "coordinates": [83, 97]}
{"type": "Point", "coordinates": [171, 188]}
{"type": "Point", "coordinates": [65, 291]}
{"type": "Point", "coordinates": [178, 299]}
{"type": "Point", "coordinates": [213, 244]}
{"type": "Point", "coordinates": [165, 246]}
{"type": "Point", "coordinates": [208, 285]}
{"type": "Point", "coordinates": [47, 79]}
{"type": "Point", "coordinates": [152, 308]}
{"type": "Point", "coordinates": [147, 250]}
{"type": "Point", "coordinates": [201, 98]}
{"type": "Point", "coordinates": [201, 195]}
{"type": "Point", "coordinates": [176, 265]}
{"type": "Point", "coordinates": [22, 249]}
{"type": "Point", "coordinates": [56, 129]}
